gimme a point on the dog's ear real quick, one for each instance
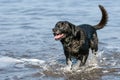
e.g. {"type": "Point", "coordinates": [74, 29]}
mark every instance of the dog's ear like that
{"type": "Point", "coordinates": [76, 32]}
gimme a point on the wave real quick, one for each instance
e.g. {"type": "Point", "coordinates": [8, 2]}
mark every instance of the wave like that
{"type": "Point", "coordinates": [55, 69]}
{"type": "Point", "coordinates": [6, 62]}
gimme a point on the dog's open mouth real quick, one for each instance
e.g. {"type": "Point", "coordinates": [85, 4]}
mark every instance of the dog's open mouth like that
{"type": "Point", "coordinates": [58, 36]}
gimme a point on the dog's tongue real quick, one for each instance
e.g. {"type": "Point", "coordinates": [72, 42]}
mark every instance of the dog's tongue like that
{"type": "Point", "coordinates": [58, 36]}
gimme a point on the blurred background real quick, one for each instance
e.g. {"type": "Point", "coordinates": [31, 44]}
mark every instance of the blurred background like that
{"type": "Point", "coordinates": [27, 44]}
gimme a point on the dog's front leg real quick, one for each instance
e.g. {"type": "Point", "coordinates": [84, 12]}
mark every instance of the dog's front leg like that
{"type": "Point", "coordinates": [77, 65]}
{"type": "Point", "coordinates": [69, 64]}
{"type": "Point", "coordinates": [68, 61]}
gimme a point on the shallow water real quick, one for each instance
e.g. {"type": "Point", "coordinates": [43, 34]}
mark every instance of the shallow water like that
{"type": "Point", "coordinates": [28, 50]}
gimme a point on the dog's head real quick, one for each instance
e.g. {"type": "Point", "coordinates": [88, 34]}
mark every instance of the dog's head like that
{"type": "Point", "coordinates": [63, 29]}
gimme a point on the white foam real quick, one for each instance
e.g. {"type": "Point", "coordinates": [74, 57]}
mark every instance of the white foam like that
{"type": "Point", "coordinates": [105, 71]}
{"type": "Point", "coordinates": [66, 69]}
{"type": "Point", "coordinates": [9, 62]}
{"type": "Point", "coordinates": [92, 60]}
{"type": "Point", "coordinates": [32, 61]}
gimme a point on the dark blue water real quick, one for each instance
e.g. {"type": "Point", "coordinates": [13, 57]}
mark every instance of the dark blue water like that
{"type": "Point", "coordinates": [28, 50]}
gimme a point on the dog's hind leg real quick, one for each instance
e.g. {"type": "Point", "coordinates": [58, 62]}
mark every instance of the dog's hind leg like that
{"type": "Point", "coordinates": [84, 58]}
{"type": "Point", "coordinates": [94, 44]}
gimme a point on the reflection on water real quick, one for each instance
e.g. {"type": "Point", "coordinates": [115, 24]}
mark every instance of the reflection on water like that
{"type": "Point", "coordinates": [28, 50]}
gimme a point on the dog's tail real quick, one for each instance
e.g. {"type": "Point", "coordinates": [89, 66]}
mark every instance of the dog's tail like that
{"type": "Point", "coordinates": [104, 18]}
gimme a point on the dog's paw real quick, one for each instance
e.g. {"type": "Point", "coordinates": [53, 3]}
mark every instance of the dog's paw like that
{"type": "Point", "coordinates": [75, 67]}
{"type": "Point", "coordinates": [67, 69]}
{"type": "Point", "coordinates": [94, 52]}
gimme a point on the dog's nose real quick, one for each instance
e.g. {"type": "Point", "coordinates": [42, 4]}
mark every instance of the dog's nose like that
{"type": "Point", "coordinates": [53, 30]}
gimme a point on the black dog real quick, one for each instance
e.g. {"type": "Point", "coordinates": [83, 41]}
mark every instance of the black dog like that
{"type": "Point", "coordinates": [77, 40]}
